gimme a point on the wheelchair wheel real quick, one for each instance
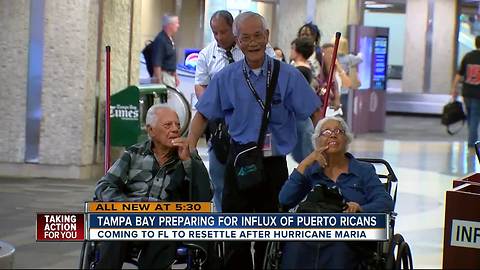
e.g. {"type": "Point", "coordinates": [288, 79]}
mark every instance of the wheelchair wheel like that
{"type": "Point", "coordinates": [219, 249]}
{"type": "Point", "coordinates": [177, 101]}
{"type": "Point", "coordinates": [273, 256]}
{"type": "Point", "coordinates": [398, 254]}
{"type": "Point", "coordinates": [404, 257]}
{"type": "Point", "coordinates": [392, 247]}
{"type": "Point", "coordinates": [87, 255]}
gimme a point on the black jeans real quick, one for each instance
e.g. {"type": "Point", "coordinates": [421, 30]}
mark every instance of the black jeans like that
{"type": "Point", "coordinates": [260, 199]}
{"type": "Point", "coordinates": [153, 255]}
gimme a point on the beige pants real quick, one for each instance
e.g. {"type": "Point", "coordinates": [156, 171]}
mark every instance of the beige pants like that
{"type": "Point", "coordinates": [169, 79]}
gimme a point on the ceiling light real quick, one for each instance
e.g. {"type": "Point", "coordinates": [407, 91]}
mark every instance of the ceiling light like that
{"type": "Point", "coordinates": [378, 6]}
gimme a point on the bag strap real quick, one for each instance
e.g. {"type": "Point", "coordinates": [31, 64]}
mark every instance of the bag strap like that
{"type": "Point", "coordinates": [456, 131]}
{"type": "Point", "coordinates": [268, 103]}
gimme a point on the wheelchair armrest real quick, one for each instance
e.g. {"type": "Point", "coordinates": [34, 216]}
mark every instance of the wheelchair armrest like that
{"type": "Point", "coordinates": [199, 257]}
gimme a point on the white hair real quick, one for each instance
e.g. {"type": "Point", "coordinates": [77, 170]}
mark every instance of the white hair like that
{"type": "Point", "coordinates": [168, 19]}
{"type": "Point", "coordinates": [243, 16]}
{"type": "Point", "coordinates": [151, 117]}
{"type": "Point", "coordinates": [322, 122]}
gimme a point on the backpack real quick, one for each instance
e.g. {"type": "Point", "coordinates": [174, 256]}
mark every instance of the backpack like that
{"type": "Point", "coordinates": [148, 55]}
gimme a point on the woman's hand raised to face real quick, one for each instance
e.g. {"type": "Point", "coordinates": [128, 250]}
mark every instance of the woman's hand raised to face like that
{"type": "Point", "coordinates": [316, 156]}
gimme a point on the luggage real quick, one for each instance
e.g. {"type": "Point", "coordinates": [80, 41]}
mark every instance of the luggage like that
{"type": "Point", "coordinates": [453, 113]}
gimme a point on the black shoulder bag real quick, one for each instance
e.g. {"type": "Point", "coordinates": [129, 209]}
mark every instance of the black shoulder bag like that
{"type": "Point", "coordinates": [453, 113]}
{"type": "Point", "coordinates": [322, 199]}
{"type": "Point", "coordinates": [248, 158]}
{"type": "Point", "coordinates": [217, 130]}
{"type": "Point", "coordinates": [219, 138]}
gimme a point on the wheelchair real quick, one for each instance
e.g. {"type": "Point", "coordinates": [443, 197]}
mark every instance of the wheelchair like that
{"type": "Point", "coordinates": [173, 98]}
{"type": "Point", "coordinates": [189, 256]}
{"type": "Point", "coordinates": [392, 254]}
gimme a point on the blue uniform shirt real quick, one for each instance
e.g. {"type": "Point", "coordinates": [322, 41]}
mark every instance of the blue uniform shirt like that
{"type": "Point", "coordinates": [228, 96]}
{"type": "Point", "coordinates": [164, 54]}
{"type": "Point", "coordinates": [361, 185]}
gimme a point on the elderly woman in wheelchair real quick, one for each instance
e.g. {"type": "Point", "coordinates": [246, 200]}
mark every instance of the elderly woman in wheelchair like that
{"type": "Point", "coordinates": [331, 166]}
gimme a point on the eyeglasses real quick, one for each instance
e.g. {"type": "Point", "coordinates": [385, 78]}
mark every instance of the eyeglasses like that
{"type": "Point", "coordinates": [257, 37]}
{"type": "Point", "coordinates": [329, 132]}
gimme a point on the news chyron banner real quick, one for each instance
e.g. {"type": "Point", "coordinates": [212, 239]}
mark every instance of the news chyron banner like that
{"type": "Point", "coordinates": [195, 221]}
{"type": "Point", "coordinates": [60, 227]}
{"type": "Point", "coordinates": [69, 226]}
{"type": "Point", "coordinates": [277, 227]}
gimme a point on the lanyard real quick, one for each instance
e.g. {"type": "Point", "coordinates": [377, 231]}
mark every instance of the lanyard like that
{"type": "Point", "coordinates": [250, 85]}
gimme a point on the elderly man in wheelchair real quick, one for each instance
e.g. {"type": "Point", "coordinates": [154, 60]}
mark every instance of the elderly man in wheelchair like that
{"type": "Point", "coordinates": [331, 167]}
{"type": "Point", "coordinates": [159, 169]}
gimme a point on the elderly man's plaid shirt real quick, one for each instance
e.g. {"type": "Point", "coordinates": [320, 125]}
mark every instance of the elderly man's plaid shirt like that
{"type": "Point", "coordinates": [137, 176]}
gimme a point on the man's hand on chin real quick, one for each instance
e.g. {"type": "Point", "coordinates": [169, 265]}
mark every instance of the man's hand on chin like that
{"type": "Point", "coordinates": [182, 147]}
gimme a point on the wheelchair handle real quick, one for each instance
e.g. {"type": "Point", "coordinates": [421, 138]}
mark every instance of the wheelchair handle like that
{"type": "Point", "coordinates": [383, 162]}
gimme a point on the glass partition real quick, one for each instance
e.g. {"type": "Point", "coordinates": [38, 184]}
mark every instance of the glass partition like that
{"type": "Point", "coordinates": [391, 15]}
{"type": "Point", "coordinates": [468, 27]}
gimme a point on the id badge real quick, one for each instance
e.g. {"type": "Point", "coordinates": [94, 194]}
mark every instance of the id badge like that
{"type": "Point", "coordinates": [267, 145]}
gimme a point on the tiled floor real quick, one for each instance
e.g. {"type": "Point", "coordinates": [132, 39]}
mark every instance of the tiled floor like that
{"type": "Point", "coordinates": [426, 160]}
{"type": "Point", "coordinates": [421, 153]}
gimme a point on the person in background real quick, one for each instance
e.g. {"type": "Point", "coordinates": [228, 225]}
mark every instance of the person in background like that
{"type": "Point", "coordinates": [346, 59]}
{"type": "Point", "coordinates": [229, 95]}
{"type": "Point", "coordinates": [301, 49]}
{"type": "Point", "coordinates": [279, 54]}
{"type": "Point", "coordinates": [320, 66]}
{"type": "Point", "coordinates": [159, 169]}
{"type": "Point", "coordinates": [164, 55]}
{"type": "Point", "coordinates": [469, 71]}
{"type": "Point", "coordinates": [332, 165]}
{"type": "Point", "coordinates": [341, 78]}
{"type": "Point", "coordinates": [211, 59]}
{"type": "Point", "coordinates": [349, 63]}
{"type": "Point", "coordinates": [311, 31]}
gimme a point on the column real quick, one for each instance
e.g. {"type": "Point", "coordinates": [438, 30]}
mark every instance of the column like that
{"type": "Point", "coordinates": [415, 36]}
{"type": "Point", "coordinates": [443, 46]}
{"type": "Point", "coordinates": [188, 35]}
{"type": "Point", "coordinates": [290, 16]}
{"type": "Point", "coordinates": [14, 40]}
{"type": "Point", "coordinates": [332, 16]}
{"type": "Point", "coordinates": [116, 33]}
{"type": "Point", "coordinates": [69, 84]}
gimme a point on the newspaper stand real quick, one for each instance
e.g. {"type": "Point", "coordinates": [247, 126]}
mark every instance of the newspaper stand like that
{"type": "Point", "coordinates": [128, 109]}
{"type": "Point", "coordinates": [461, 246]}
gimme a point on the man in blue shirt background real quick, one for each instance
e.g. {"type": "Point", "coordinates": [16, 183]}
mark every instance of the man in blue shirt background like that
{"type": "Point", "coordinates": [229, 96]}
{"type": "Point", "coordinates": [164, 55]}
